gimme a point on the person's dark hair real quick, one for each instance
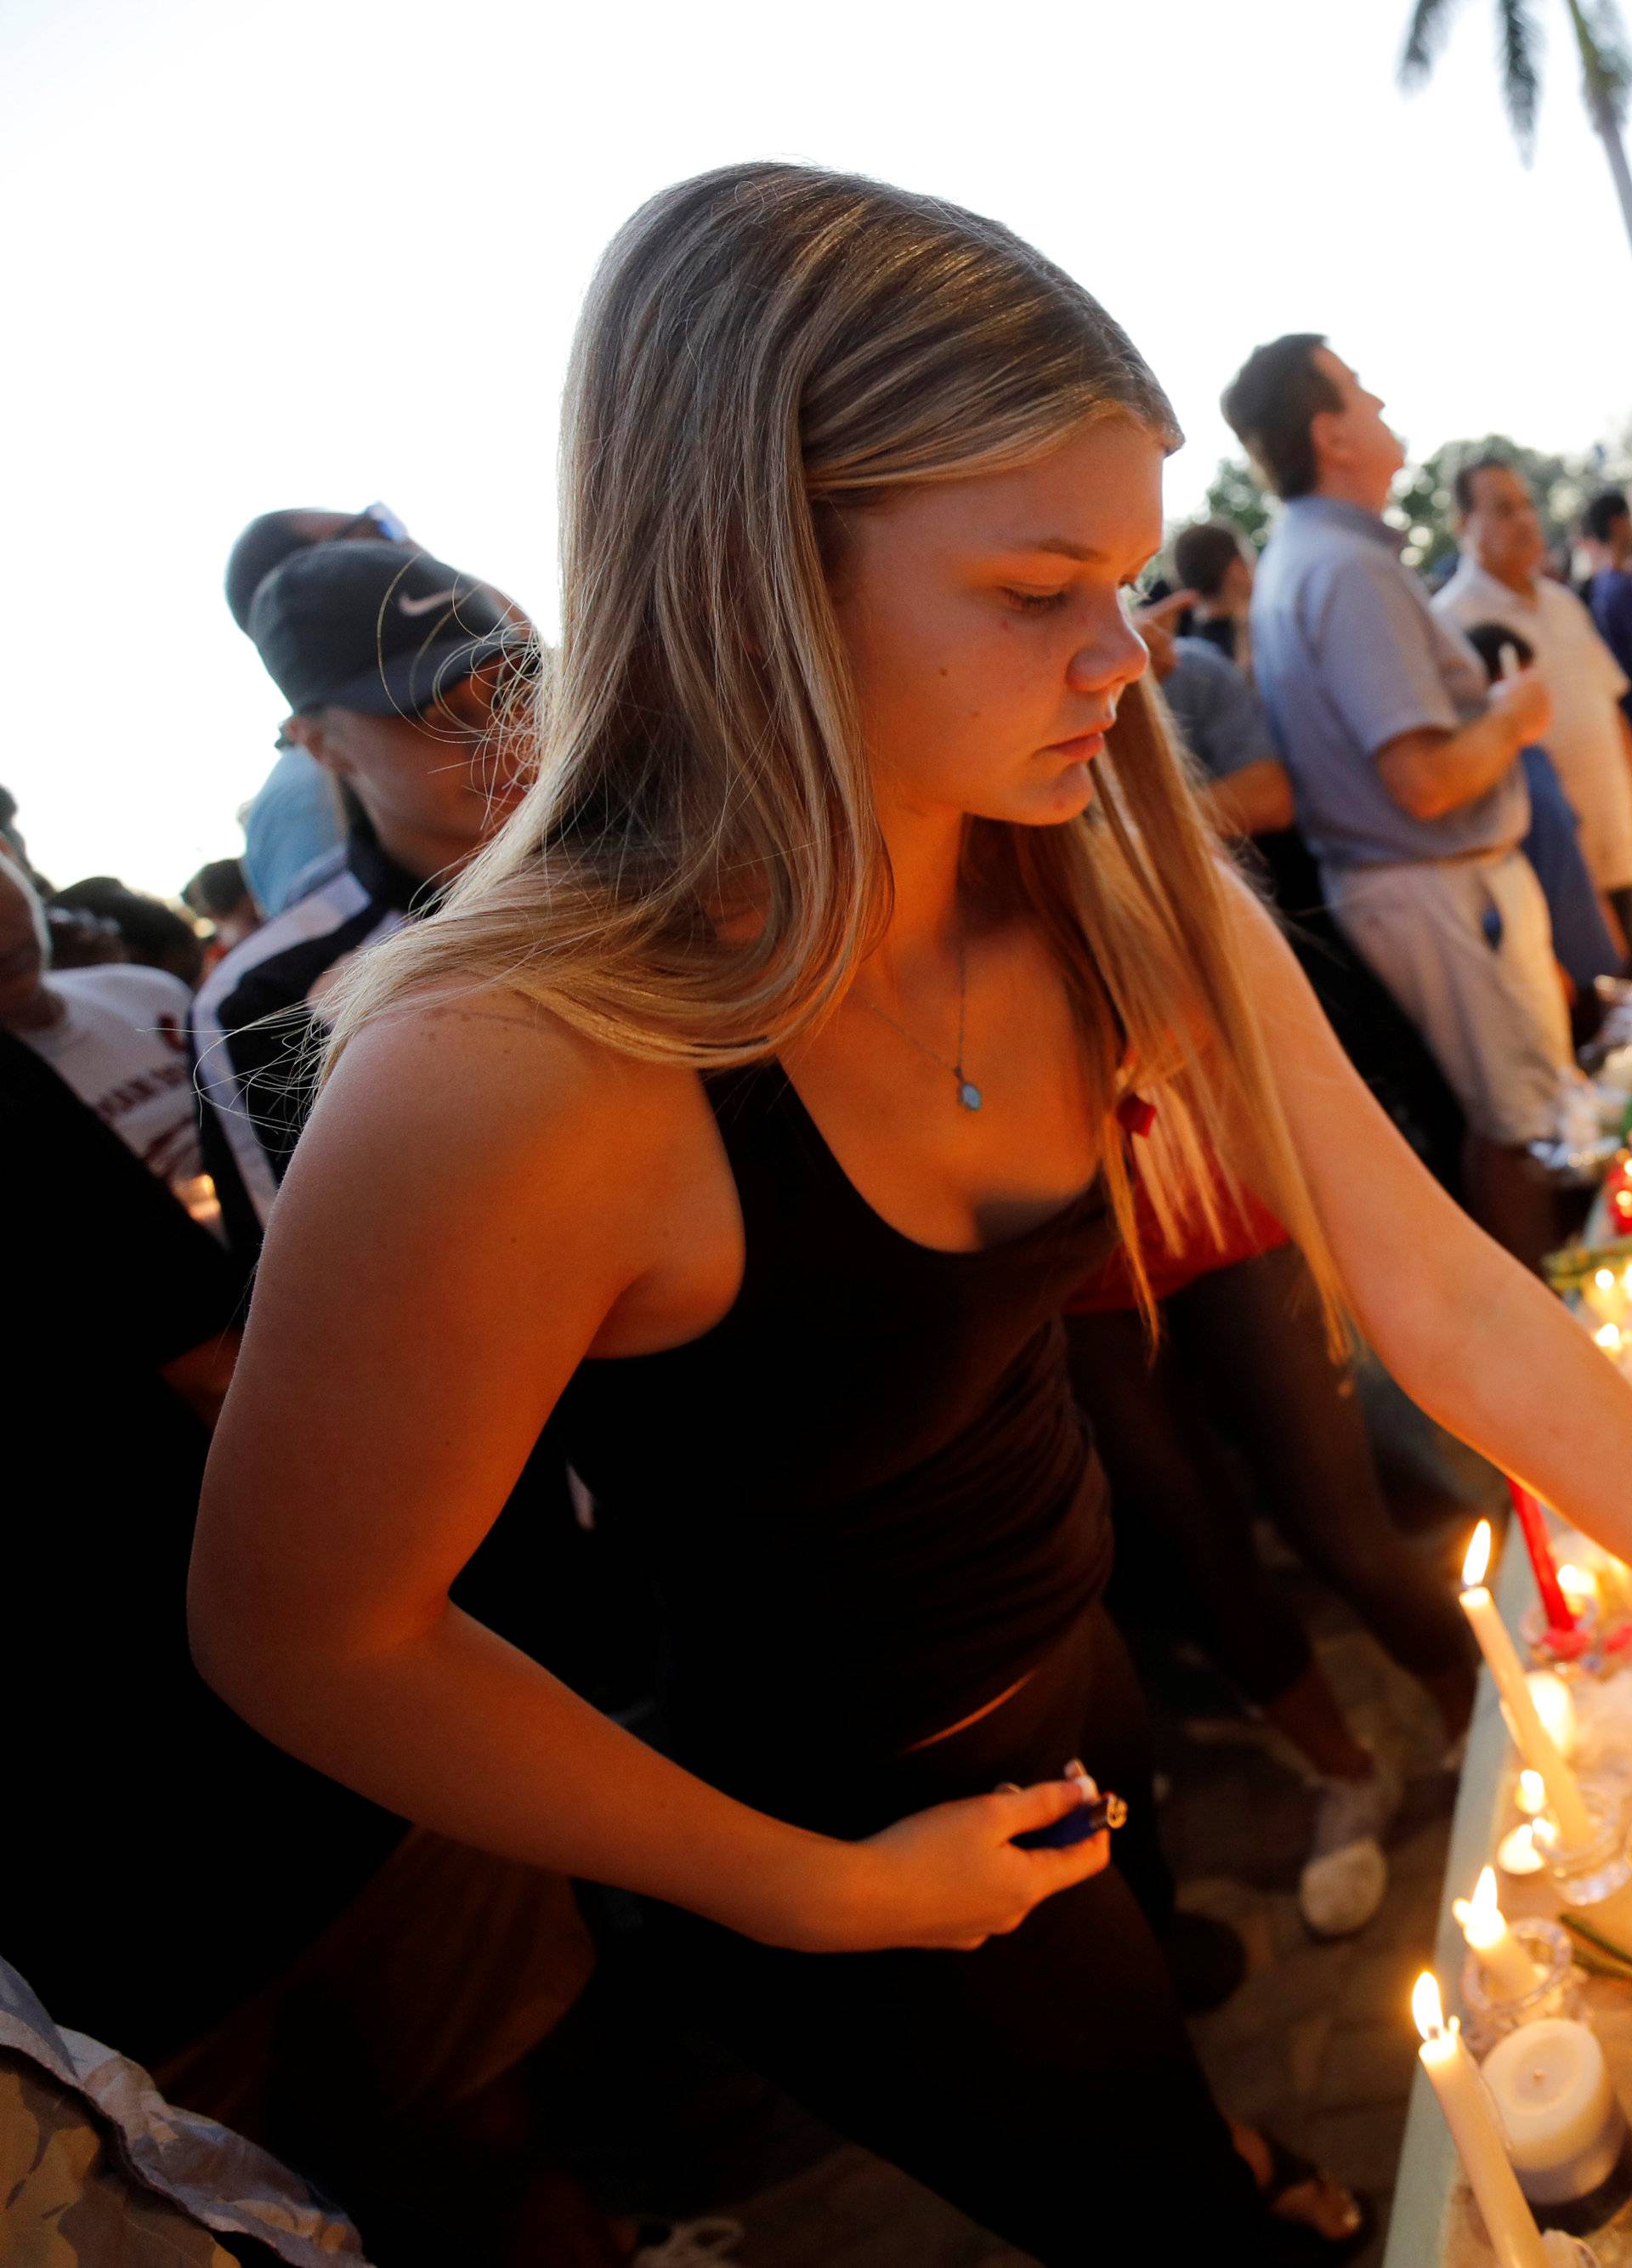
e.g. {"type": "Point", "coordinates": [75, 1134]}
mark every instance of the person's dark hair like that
{"type": "Point", "coordinates": [1271, 403]}
{"type": "Point", "coordinates": [155, 935]}
{"type": "Point", "coordinates": [1487, 640]}
{"type": "Point", "coordinates": [1462, 486]}
{"type": "Point", "coordinates": [8, 808]}
{"type": "Point", "coordinates": [265, 544]}
{"type": "Point", "coordinates": [217, 890]}
{"type": "Point", "coordinates": [1602, 513]}
{"type": "Point", "coordinates": [1203, 555]}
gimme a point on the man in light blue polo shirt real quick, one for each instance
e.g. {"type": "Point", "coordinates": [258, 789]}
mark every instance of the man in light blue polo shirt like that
{"type": "Point", "coordinates": [1404, 766]}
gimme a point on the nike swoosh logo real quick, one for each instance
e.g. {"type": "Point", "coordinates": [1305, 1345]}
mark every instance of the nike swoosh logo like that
{"type": "Point", "coordinates": [424, 606]}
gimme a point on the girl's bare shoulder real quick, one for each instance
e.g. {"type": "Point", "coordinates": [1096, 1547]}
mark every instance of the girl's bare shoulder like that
{"type": "Point", "coordinates": [488, 1080]}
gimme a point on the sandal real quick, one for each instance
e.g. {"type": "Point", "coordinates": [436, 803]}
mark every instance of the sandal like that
{"type": "Point", "coordinates": [1297, 2243]}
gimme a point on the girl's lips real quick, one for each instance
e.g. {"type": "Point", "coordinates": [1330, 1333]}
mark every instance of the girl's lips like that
{"type": "Point", "coordinates": [1084, 745]}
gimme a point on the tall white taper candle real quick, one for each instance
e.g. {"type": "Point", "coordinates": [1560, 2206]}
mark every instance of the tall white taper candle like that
{"type": "Point", "coordinates": [1454, 2077]}
{"type": "Point", "coordinates": [1535, 1743]}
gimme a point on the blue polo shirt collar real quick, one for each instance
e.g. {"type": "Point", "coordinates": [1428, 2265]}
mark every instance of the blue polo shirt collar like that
{"type": "Point", "coordinates": [1337, 512]}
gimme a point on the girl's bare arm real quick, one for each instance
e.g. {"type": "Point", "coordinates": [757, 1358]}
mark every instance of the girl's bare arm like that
{"type": "Point", "coordinates": [1471, 1334]}
{"type": "Point", "coordinates": [474, 1199]}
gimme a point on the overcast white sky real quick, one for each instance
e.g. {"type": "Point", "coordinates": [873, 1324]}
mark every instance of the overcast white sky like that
{"type": "Point", "coordinates": [279, 252]}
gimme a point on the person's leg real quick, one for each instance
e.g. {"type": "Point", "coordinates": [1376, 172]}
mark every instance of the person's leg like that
{"type": "Point", "coordinates": [1253, 1331]}
{"type": "Point", "coordinates": [1384, 1045]}
{"type": "Point", "coordinates": [1159, 1443]}
{"type": "Point", "coordinates": [1510, 1197]}
{"type": "Point", "coordinates": [1466, 949]}
{"type": "Point", "coordinates": [1176, 1507]}
{"type": "Point", "coordinates": [1175, 1494]}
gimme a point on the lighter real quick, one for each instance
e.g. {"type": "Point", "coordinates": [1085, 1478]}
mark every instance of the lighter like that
{"type": "Point", "coordinates": [1091, 1817]}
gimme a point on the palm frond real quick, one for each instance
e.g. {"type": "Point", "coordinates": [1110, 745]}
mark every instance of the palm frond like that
{"type": "Point", "coordinates": [1431, 21]}
{"type": "Point", "coordinates": [1518, 45]}
{"type": "Point", "coordinates": [1606, 57]}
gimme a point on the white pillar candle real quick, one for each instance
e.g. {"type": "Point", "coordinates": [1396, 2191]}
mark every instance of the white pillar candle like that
{"type": "Point", "coordinates": [1509, 1971]}
{"type": "Point", "coordinates": [1535, 1744]}
{"type": "Point", "coordinates": [1471, 2116]}
{"type": "Point", "coordinates": [1564, 2127]}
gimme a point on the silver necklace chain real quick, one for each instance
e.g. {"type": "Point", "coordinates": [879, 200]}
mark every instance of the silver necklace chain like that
{"type": "Point", "coordinates": [968, 1094]}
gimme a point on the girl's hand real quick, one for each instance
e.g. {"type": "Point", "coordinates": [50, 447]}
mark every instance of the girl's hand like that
{"type": "Point", "coordinates": [950, 1878]}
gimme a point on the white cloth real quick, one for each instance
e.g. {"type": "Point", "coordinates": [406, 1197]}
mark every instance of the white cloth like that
{"type": "Point", "coordinates": [1586, 683]}
{"type": "Point", "coordinates": [97, 2167]}
{"type": "Point", "coordinates": [121, 1043]}
{"type": "Point", "coordinates": [1466, 949]}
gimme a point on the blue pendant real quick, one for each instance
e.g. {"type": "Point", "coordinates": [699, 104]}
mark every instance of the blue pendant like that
{"type": "Point", "coordinates": [969, 1095]}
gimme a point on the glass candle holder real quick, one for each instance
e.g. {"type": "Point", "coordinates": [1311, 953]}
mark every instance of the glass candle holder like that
{"type": "Point", "coordinates": [1556, 1993]}
{"type": "Point", "coordinates": [1597, 1872]}
{"type": "Point", "coordinates": [1550, 1649]}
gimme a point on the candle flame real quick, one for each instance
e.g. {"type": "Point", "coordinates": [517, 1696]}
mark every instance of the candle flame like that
{"type": "Point", "coordinates": [1480, 1917]}
{"type": "Point", "coordinates": [1476, 1564]}
{"type": "Point", "coordinates": [1531, 1793]}
{"type": "Point", "coordinates": [1605, 1279]}
{"type": "Point", "coordinates": [1427, 2013]}
{"type": "Point", "coordinates": [1608, 1337]}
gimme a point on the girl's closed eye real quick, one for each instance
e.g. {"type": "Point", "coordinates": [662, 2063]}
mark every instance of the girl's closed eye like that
{"type": "Point", "coordinates": [1036, 602]}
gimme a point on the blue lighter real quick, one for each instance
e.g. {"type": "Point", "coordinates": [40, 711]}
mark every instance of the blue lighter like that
{"type": "Point", "coordinates": [1100, 1812]}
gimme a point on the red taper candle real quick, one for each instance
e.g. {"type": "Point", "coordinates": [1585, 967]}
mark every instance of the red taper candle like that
{"type": "Point", "coordinates": [1559, 1612]}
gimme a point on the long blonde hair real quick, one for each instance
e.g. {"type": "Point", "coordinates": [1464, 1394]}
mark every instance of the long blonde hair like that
{"type": "Point", "coordinates": [764, 348]}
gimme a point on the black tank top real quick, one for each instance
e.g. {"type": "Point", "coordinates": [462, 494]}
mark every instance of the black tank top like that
{"type": "Point", "coordinates": [868, 1501]}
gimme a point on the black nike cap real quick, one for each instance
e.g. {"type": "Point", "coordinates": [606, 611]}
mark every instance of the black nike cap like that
{"type": "Point", "coordinates": [373, 626]}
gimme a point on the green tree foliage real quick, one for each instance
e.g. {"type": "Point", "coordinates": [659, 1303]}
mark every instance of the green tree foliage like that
{"type": "Point", "coordinates": [1238, 494]}
{"type": "Point", "coordinates": [1423, 505]}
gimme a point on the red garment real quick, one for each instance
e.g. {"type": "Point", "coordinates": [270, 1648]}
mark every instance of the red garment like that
{"type": "Point", "coordinates": [1255, 1231]}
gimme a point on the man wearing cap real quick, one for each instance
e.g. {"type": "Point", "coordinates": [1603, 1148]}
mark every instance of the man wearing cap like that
{"type": "Point", "coordinates": [390, 662]}
{"type": "Point", "coordinates": [294, 818]}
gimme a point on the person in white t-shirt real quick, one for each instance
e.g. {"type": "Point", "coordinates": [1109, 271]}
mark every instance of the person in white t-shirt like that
{"type": "Point", "coordinates": [116, 1034]}
{"type": "Point", "coordinates": [1500, 579]}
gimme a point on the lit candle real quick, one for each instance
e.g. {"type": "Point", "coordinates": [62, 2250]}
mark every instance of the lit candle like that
{"type": "Point", "coordinates": [1454, 2077]}
{"type": "Point", "coordinates": [1555, 1707]}
{"type": "Point", "coordinates": [1579, 1585]}
{"type": "Point", "coordinates": [1564, 2127]}
{"type": "Point", "coordinates": [1516, 1853]}
{"type": "Point", "coordinates": [1555, 1605]}
{"type": "Point", "coordinates": [1508, 1968]}
{"type": "Point", "coordinates": [1535, 1744]}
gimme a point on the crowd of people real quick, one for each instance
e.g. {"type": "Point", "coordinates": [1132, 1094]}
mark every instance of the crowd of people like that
{"type": "Point", "coordinates": [710, 1323]}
